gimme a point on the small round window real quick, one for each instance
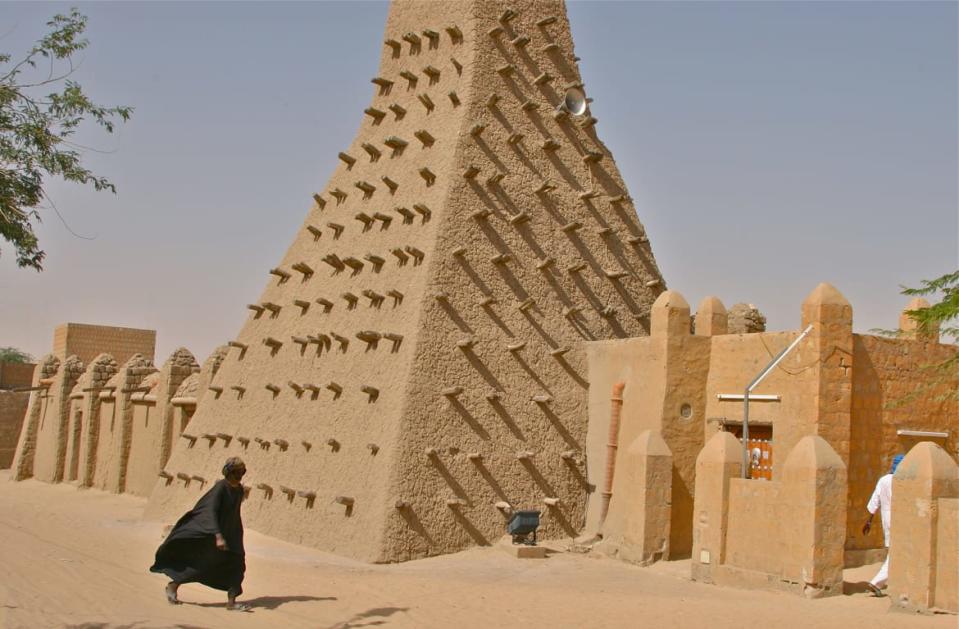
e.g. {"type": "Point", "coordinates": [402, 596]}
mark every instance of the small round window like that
{"type": "Point", "coordinates": [686, 411]}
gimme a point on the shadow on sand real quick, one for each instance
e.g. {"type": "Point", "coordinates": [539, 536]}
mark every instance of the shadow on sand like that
{"type": "Point", "coordinates": [267, 602]}
{"type": "Point", "coordinates": [851, 588]}
{"type": "Point", "coordinates": [369, 618]}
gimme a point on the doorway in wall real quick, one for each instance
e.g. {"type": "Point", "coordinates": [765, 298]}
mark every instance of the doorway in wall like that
{"type": "Point", "coordinates": [760, 448]}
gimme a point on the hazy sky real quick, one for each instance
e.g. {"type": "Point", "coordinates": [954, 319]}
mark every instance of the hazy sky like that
{"type": "Point", "coordinates": [768, 146]}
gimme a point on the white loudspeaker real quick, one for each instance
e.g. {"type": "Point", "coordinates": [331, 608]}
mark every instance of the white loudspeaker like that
{"type": "Point", "coordinates": [574, 102]}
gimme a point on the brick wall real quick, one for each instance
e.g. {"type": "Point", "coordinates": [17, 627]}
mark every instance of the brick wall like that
{"type": "Point", "coordinates": [88, 341]}
{"type": "Point", "coordinates": [16, 375]}
{"type": "Point", "coordinates": [13, 408]}
{"type": "Point", "coordinates": [888, 373]}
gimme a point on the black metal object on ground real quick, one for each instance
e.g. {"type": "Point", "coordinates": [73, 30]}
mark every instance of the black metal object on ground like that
{"type": "Point", "coordinates": [521, 525]}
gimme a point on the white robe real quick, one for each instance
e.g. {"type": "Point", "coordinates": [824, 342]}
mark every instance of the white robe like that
{"type": "Point", "coordinates": [881, 500]}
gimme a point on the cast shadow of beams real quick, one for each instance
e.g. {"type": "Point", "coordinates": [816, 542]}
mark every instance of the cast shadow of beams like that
{"type": "Point", "coordinates": [488, 309]}
{"type": "Point", "coordinates": [414, 523]}
{"type": "Point", "coordinates": [454, 484]}
{"type": "Point", "coordinates": [569, 369]}
{"type": "Point", "coordinates": [474, 532]}
{"type": "Point", "coordinates": [491, 156]}
{"type": "Point", "coordinates": [521, 155]}
{"type": "Point", "coordinates": [564, 171]}
{"type": "Point", "coordinates": [560, 428]}
{"type": "Point", "coordinates": [474, 276]}
{"type": "Point", "coordinates": [493, 483]}
{"type": "Point", "coordinates": [483, 370]}
{"type": "Point", "coordinates": [486, 199]}
{"type": "Point", "coordinates": [507, 419]}
{"type": "Point", "coordinates": [472, 421]}
{"type": "Point", "coordinates": [532, 374]}
{"type": "Point", "coordinates": [577, 474]}
{"type": "Point", "coordinates": [456, 318]}
{"type": "Point", "coordinates": [600, 175]}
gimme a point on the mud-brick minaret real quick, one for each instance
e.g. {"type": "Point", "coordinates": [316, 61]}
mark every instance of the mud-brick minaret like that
{"type": "Point", "coordinates": [412, 370]}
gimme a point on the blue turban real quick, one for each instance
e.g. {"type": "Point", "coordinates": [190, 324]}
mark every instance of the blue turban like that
{"type": "Point", "coordinates": [896, 460]}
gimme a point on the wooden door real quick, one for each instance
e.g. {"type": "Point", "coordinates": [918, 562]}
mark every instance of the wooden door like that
{"type": "Point", "coordinates": [760, 447]}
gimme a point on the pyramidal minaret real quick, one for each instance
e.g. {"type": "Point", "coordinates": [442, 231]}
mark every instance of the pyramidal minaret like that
{"type": "Point", "coordinates": [413, 370]}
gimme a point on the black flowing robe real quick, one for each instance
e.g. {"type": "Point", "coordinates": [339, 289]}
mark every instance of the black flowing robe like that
{"type": "Point", "coordinates": [189, 554]}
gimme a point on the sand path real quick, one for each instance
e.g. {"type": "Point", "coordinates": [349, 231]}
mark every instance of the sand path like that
{"type": "Point", "coordinates": [79, 559]}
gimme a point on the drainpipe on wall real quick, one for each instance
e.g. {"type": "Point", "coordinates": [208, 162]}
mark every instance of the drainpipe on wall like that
{"type": "Point", "coordinates": [755, 383]}
{"type": "Point", "coordinates": [616, 409]}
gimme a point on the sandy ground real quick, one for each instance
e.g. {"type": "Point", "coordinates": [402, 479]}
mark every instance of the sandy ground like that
{"type": "Point", "coordinates": [71, 558]}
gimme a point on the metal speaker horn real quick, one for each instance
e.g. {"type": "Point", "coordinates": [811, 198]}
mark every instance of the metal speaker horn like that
{"type": "Point", "coordinates": [574, 102]}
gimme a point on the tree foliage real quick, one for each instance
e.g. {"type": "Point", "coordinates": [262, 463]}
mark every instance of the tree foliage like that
{"type": "Point", "coordinates": [36, 127]}
{"type": "Point", "coordinates": [14, 355]}
{"type": "Point", "coordinates": [941, 316]}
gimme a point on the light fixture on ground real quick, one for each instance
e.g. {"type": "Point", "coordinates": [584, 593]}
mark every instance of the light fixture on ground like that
{"type": "Point", "coordinates": [522, 525]}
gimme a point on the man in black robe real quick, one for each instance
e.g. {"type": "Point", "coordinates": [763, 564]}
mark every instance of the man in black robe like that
{"type": "Point", "coordinates": [206, 545]}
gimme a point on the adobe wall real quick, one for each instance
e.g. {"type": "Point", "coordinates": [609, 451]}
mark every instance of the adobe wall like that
{"type": "Point", "coordinates": [756, 510]}
{"type": "Point", "coordinates": [783, 534]}
{"type": "Point", "coordinates": [887, 372]}
{"type": "Point", "coordinates": [638, 530]}
{"type": "Point", "coordinates": [736, 359]}
{"type": "Point", "coordinates": [13, 408]}
{"type": "Point", "coordinates": [113, 428]}
{"type": "Point", "coordinates": [88, 341]}
{"type": "Point", "coordinates": [84, 419]}
{"type": "Point", "coordinates": [152, 424]}
{"type": "Point", "coordinates": [834, 384]}
{"type": "Point", "coordinates": [145, 438]}
{"type": "Point", "coordinates": [672, 378]}
{"type": "Point", "coordinates": [414, 359]}
{"type": "Point", "coordinates": [635, 362]}
{"type": "Point", "coordinates": [51, 432]}
{"type": "Point", "coordinates": [22, 466]}
{"type": "Point", "coordinates": [924, 552]}
{"type": "Point", "coordinates": [116, 424]}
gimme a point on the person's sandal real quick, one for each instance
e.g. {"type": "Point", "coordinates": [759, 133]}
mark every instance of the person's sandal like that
{"type": "Point", "coordinates": [238, 607]}
{"type": "Point", "coordinates": [171, 595]}
{"type": "Point", "coordinates": [876, 592]}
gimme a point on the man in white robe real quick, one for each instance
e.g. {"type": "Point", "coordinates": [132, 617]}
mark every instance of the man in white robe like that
{"type": "Point", "coordinates": [881, 501]}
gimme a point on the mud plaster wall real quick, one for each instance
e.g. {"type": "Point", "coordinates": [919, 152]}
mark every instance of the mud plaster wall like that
{"type": "Point", "coordinates": [667, 373]}
{"type": "Point", "coordinates": [923, 552]}
{"type": "Point", "coordinates": [84, 430]}
{"type": "Point", "coordinates": [51, 439]}
{"type": "Point", "coordinates": [152, 423]}
{"type": "Point", "coordinates": [23, 458]}
{"type": "Point", "coordinates": [784, 534]}
{"type": "Point", "coordinates": [480, 263]}
{"type": "Point", "coordinates": [636, 362]}
{"type": "Point", "coordinates": [145, 440]}
{"type": "Point", "coordinates": [87, 341]}
{"type": "Point", "coordinates": [116, 421]}
{"type": "Point", "coordinates": [13, 408]}
{"type": "Point", "coordinates": [736, 359]}
{"type": "Point", "coordinates": [834, 384]}
{"type": "Point", "coordinates": [887, 371]}
{"type": "Point", "coordinates": [947, 554]}
{"type": "Point", "coordinates": [662, 376]}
